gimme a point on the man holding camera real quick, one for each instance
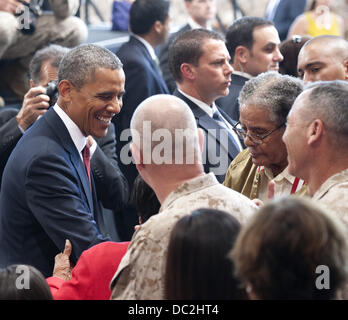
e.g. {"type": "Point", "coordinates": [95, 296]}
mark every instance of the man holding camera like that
{"type": "Point", "coordinates": [13, 123]}
{"type": "Point", "coordinates": [24, 29]}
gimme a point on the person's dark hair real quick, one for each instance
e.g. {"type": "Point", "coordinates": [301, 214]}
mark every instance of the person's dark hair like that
{"type": "Point", "coordinates": [52, 53]}
{"type": "Point", "coordinates": [290, 49]}
{"type": "Point", "coordinates": [144, 13]}
{"type": "Point", "coordinates": [197, 263]}
{"type": "Point", "coordinates": [79, 64]}
{"type": "Point", "coordinates": [278, 252]}
{"type": "Point", "coordinates": [23, 282]}
{"type": "Point", "coordinates": [240, 33]}
{"type": "Point", "coordinates": [187, 48]}
{"type": "Point", "coordinates": [144, 199]}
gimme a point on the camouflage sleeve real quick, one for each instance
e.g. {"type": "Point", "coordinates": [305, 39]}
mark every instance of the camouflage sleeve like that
{"type": "Point", "coordinates": [139, 275]}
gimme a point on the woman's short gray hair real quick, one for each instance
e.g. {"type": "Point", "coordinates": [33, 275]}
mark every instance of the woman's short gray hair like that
{"type": "Point", "coordinates": [273, 92]}
{"type": "Point", "coordinates": [79, 64]}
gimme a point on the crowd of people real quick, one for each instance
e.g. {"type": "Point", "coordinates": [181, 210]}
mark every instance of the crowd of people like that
{"type": "Point", "coordinates": [224, 158]}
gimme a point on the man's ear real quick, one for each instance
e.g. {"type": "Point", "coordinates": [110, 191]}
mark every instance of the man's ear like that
{"type": "Point", "coordinates": [65, 89]}
{"type": "Point", "coordinates": [158, 26]}
{"type": "Point", "coordinates": [31, 83]}
{"type": "Point", "coordinates": [315, 131]}
{"type": "Point", "coordinates": [137, 155]}
{"type": "Point", "coordinates": [187, 71]}
{"type": "Point", "coordinates": [241, 54]}
{"type": "Point", "coordinates": [345, 63]}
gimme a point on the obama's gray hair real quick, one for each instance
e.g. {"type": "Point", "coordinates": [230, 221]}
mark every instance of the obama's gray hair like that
{"type": "Point", "coordinates": [79, 64]}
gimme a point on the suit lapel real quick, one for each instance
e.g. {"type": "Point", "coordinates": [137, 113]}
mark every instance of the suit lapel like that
{"type": "Point", "coordinates": [58, 126]}
{"type": "Point", "coordinates": [153, 65]}
{"type": "Point", "coordinates": [210, 126]}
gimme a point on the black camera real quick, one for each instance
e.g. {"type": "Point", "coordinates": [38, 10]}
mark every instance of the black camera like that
{"type": "Point", "coordinates": [52, 92]}
{"type": "Point", "coordinates": [28, 21]}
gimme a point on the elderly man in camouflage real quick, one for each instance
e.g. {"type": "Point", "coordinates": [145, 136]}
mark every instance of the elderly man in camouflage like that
{"type": "Point", "coordinates": [172, 166]}
{"type": "Point", "coordinates": [316, 139]}
{"type": "Point", "coordinates": [61, 28]}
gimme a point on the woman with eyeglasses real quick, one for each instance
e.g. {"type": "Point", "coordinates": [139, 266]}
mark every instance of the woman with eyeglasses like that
{"type": "Point", "coordinates": [265, 102]}
{"type": "Point", "coordinates": [318, 20]}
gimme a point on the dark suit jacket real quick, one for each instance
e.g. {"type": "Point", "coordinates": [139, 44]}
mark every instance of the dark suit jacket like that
{"type": "Point", "coordinates": [163, 58]}
{"type": "Point", "coordinates": [217, 155]}
{"type": "Point", "coordinates": [142, 81]}
{"type": "Point", "coordinates": [111, 185]}
{"type": "Point", "coordinates": [46, 198]}
{"type": "Point", "coordinates": [230, 103]}
{"type": "Point", "coordinates": [9, 135]}
{"type": "Point", "coordinates": [286, 13]}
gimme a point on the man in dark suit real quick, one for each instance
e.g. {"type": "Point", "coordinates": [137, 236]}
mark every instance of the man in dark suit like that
{"type": "Point", "coordinates": [111, 185]}
{"type": "Point", "coordinates": [203, 73]}
{"type": "Point", "coordinates": [253, 44]}
{"type": "Point", "coordinates": [200, 14]}
{"type": "Point", "coordinates": [283, 13]}
{"type": "Point", "coordinates": [149, 24]}
{"type": "Point", "coordinates": [48, 195]}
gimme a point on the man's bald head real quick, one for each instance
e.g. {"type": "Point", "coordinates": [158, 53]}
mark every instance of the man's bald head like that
{"type": "Point", "coordinates": [164, 129]}
{"type": "Point", "coordinates": [323, 58]}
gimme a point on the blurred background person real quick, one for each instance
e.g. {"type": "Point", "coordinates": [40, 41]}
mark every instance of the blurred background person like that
{"type": "Point", "coordinates": [290, 49]}
{"type": "Point", "coordinates": [19, 39]}
{"type": "Point", "coordinates": [283, 13]}
{"type": "Point", "coordinates": [253, 44]}
{"type": "Point", "coordinates": [319, 20]}
{"type": "Point", "coordinates": [323, 58]}
{"type": "Point", "coordinates": [197, 266]}
{"type": "Point", "coordinates": [277, 254]}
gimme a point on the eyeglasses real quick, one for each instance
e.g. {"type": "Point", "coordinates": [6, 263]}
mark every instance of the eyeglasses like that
{"type": "Point", "coordinates": [255, 138]}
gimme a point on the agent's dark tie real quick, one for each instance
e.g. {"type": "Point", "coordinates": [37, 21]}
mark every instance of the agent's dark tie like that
{"type": "Point", "coordinates": [87, 162]}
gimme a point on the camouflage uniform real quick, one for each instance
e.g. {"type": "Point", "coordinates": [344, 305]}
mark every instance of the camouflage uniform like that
{"type": "Point", "coordinates": [333, 194]}
{"type": "Point", "coordinates": [61, 28]}
{"type": "Point", "coordinates": [141, 272]}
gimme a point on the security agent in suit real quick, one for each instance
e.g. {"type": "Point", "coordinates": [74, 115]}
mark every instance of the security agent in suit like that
{"type": "Point", "coordinates": [200, 64]}
{"type": "Point", "coordinates": [149, 24]}
{"type": "Point", "coordinates": [253, 44]}
{"type": "Point", "coordinates": [200, 14]}
{"type": "Point", "coordinates": [283, 13]}
{"type": "Point", "coordinates": [47, 196]}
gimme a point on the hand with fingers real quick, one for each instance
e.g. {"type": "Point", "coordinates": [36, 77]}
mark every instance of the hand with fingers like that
{"type": "Point", "coordinates": [11, 6]}
{"type": "Point", "coordinates": [35, 103]}
{"type": "Point", "coordinates": [270, 194]}
{"type": "Point", "coordinates": [62, 266]}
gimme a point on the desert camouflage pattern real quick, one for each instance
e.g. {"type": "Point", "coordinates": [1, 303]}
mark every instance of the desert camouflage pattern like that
{"type": "Point", "coordinates": [141, 272]}
{"type": "Point", "coordinates": [333, 194]}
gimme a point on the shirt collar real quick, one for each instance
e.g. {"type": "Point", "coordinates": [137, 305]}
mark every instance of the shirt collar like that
{"type": "Point", "coordinates": [194, 25]}
{"type": "Point", "coordinates": [147, 45]}
{"type": "Point", "coordinates": [281, 176]}
{"type": "Point", "coordinates": [206, 108]}
{"type": "Point", "coordinates": [75, 133]}
{"type": "Point", "coordinates": [330, 182]}
{"type": "Point", "coordinates": [188, 187]}
{"type": "Point", "coordinates": [243, 74]}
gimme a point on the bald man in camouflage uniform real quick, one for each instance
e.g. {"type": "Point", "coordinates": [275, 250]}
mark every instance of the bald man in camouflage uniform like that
{"type": "Point", "coordinates": [180, 186]}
